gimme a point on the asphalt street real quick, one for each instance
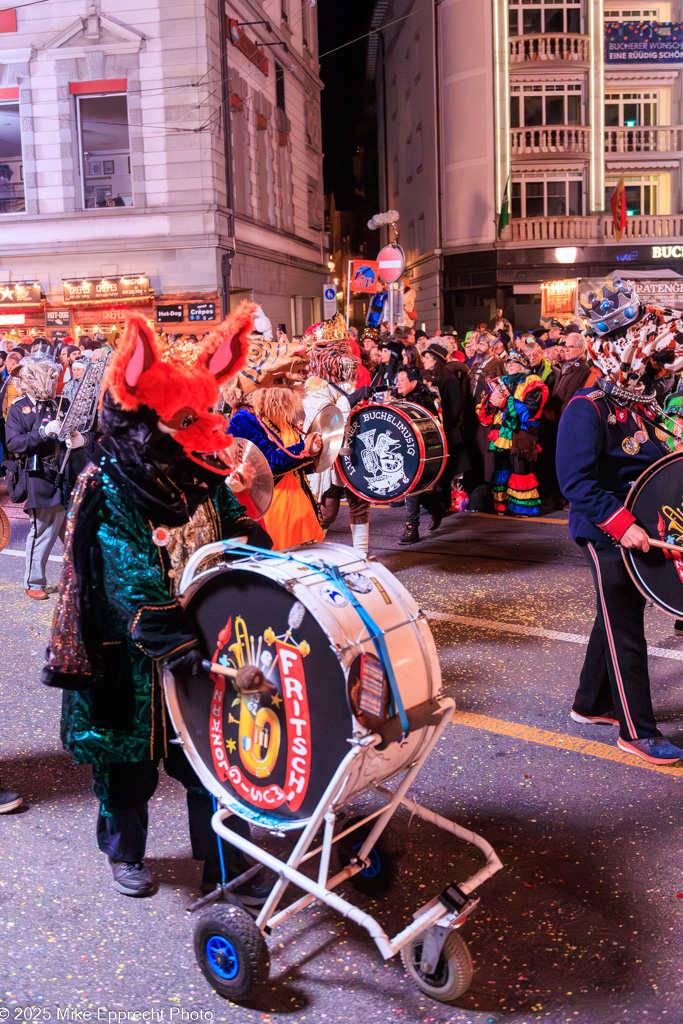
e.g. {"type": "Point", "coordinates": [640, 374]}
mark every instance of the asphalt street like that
{"type": "Point", "coordinates": [582, 924]}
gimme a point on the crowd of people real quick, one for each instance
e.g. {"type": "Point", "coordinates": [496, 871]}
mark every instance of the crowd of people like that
{"type": "Point", "coordinates": [499, 395]}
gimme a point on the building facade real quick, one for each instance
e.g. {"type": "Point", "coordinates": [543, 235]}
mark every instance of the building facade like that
{"type": "Point", "coordinates": [551, 102]}
{"type": "Point", "coordinates": [163, 157]}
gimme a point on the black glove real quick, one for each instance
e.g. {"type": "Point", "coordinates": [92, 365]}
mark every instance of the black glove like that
{"type": "Point", "coordinates": [256, 535]}
{"type": "Point", "coordinates": [360, 395]}
{"type": "Point", "coordinates": [185, 665]}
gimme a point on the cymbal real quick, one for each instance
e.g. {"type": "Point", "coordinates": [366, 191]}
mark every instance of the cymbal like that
{"type": "Point", "coordinates": [247, 474]}
{"type": "Point", "coordinates": [330, 423]}
{"type": "Point", "coordinates": [251, 480]}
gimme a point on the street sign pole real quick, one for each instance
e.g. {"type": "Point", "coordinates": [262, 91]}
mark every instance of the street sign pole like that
{"type": "Point", "coordinates": [391, 308]}
{"type": "Point", "coordinates": [348, 291]}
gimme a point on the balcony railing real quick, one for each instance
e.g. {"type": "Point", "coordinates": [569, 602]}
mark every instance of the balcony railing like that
{"type": "Point", "coordinates": [644, 140]}
{"type": "Point", "coordinates": [592, 229]}
{"type": "Point", "coordinates": [572, 48]}
{"type": "Point", "coordinates": [549, 139]}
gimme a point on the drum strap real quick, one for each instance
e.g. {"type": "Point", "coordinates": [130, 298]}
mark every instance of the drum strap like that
{"type": "Point", "coordinates": [376, 634]}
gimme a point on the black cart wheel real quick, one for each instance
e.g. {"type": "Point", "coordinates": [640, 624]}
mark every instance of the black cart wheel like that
{"type": "Point", "coordinates": [453, 974]}
{"type": "Point", "coordinates": [383, 867]}
{"type": "Point", "coordinates": [231, 951]}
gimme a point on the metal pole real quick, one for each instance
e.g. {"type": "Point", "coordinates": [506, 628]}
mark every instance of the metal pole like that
{"type": "Point", "coordinates": [391, 308]}
{"type": "Point", "coordinates": [348, 291]}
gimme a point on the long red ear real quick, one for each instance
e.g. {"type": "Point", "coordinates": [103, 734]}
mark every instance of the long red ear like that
{"type": "Point", "coordinates": [227, 347]}
{"type": "Point", "coordinates": [141, 358]}
{"type": "Point", "coordinates": [135, 353]}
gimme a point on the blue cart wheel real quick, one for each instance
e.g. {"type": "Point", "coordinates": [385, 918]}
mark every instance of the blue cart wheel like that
{"type": "Point", "coordinates": [231, 952]}
{"type": "Point", "coordinates": [382, 868]}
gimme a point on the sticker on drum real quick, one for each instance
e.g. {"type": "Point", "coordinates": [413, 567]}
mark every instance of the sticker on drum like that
{"type": "Point", "coordinates": [331, 594]}
{"type": "Point", "coordinates": [274, 752]}
{"type": "Point", "coordinates": [357, 582]}
{"type": "Point", "coordinates": [656, 500]}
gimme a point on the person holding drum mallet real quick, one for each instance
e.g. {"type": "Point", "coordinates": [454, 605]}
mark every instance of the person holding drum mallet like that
{"type": "Point", "coordinates": [135, 519]}
{"type": "Point", "coordinates": [607, 437]}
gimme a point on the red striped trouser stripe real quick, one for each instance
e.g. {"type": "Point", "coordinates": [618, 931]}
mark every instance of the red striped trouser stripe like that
{"type": "Point", "coordinates": [612, 646]}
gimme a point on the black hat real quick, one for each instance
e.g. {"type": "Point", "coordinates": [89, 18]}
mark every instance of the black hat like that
{"type": "Point", "coordinates": [421, 334]}
{"type": "Point", "coordinates": [438, 350]}
{"type": "Point", "coordinates": [538, 334]}
{"type": "Point", "coordinates": [411, 372]}
{"type": "Point", "coordinates": [395, 346]}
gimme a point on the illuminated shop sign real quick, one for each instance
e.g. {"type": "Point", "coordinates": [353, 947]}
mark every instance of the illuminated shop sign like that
{"type": "Point", "coordinates": [20, 293]}
{"type": "Point", "coordinates": [558, 298]}
{"type": "Point", "coordinates": [667, 252]}
{"type": "Point", "coordinates": [637, 41]}
{"type": "Point", "coordinates": [107, 288]}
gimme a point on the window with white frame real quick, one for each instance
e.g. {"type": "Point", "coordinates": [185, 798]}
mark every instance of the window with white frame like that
{"type": "Point", "coordinates": [631, 109]}
{"type": "Point", "coordinates": [645, 193]}
{"type": "Point", "coordinates": [314, 204]}
{"type": "Point", "coordinates": [546, 104]}
{"type": "Point", "coordinates": [11, 160]}
{"type": "Point", "coordinates": [104, 150]}
{"type": "Point", "coordinates": [533, 17]}
{"type": "Point", "coordinates": [547, 195]}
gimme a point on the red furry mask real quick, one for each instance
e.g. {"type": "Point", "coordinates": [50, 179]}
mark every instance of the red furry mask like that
{"type": "Point", "coordinates": [180, 382]}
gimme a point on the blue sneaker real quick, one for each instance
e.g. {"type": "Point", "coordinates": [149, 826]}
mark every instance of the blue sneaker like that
{"type": "Point", "coordinates": [655, 749]}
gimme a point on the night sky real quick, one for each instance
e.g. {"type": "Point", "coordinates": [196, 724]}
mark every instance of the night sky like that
{"type": "Point", "coordinates": [347, 99]}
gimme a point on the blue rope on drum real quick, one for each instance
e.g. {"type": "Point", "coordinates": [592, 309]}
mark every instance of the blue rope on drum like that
{"type": "Point", "coordinates": [333, 574]}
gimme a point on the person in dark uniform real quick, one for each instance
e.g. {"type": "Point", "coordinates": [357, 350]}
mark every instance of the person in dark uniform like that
{"type": "Point", "coordinates": [31, 434]}
{"type": "Point", "coordinates": [411, 387]}
{"type": "Point", "coordinates": [606, 440]}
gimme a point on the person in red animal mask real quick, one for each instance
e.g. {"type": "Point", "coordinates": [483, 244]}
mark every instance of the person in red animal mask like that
{"type": "Point", "coordinates": [135, 518]}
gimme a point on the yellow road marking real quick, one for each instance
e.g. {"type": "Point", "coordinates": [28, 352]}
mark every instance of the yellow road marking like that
{"type": "Point", "coordinates": [560, 740]}
{"type": "Point", "coordinates": [520, 519]}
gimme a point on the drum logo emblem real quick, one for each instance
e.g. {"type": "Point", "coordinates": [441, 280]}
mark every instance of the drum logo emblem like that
{"type": "Point", "coordinates": [380, 459]}
{"type": "Point", "coordinates": [671, 530]}
{"type": "Point", "coordinates": [248, 736]}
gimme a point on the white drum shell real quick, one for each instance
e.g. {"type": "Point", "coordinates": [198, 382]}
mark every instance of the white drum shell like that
{"type": "Point", "coordinates": [409, 641]}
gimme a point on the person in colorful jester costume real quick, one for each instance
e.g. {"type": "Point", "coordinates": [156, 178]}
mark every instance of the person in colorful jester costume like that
{"type": "Point", "coordinates": [118, 622]}
{"type": "Point", "coordinates": [266, 399]}
{"type": "Point", "coordinates": [512, 409]}
{"type": "Point", "coordinates": [609, 434]}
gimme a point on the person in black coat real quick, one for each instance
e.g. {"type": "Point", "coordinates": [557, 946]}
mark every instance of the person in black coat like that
{"type": "Point", "coordinates": [450, 394]}
{"type": "Point", "coordinates": [31, 434]}
{"type": "Point", "coordinates": [391, 353]}
{"type": "Point", "coordinates": [410, 386]}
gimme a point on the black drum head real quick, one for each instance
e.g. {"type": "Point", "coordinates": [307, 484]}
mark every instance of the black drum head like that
{"type": "Point", "coordinates": [656, 501]}
{"type": "Point", "coordinates": [385, 453]}
{"type": "Point", "coordinates": [274, 753]}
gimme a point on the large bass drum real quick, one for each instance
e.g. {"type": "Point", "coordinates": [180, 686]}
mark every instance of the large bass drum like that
{"type": "Point", "coordinates": [396, 449]}
{"type": "Point", "coordinates": [656, 500]}
{"type": "Point", "coordinates": [269, 757]}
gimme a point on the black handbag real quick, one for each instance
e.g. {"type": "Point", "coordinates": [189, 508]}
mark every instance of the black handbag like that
{"type": "Point", "coordinates": [16, 479]}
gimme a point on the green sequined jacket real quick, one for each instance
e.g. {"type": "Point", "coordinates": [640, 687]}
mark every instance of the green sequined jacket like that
{"type": "Point", "coordinates": [137, 621]}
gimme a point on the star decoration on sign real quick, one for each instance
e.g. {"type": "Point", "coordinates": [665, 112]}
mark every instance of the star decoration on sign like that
{"type": "Point", "coordinates": [276, 699]}
{"type": "Point", "coordinates": [232, 746]}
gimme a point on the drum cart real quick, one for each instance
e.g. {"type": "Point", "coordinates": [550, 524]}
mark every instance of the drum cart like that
{"type": "Point", "coordinates": [230, 945]}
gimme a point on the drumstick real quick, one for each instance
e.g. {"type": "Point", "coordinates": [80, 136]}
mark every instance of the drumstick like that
{"type": "Point", "coordinates": [667, 547]}
{"type": "Point", "coordinates": [248, 678]}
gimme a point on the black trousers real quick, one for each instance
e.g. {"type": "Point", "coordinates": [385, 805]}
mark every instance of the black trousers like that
{"type": "Point", "coordinates": [125, 790]}
{"type": "Point", "coordinates": [615, 673]}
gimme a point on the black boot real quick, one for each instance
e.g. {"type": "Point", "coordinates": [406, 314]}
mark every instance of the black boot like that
{"type": "Point", "coordinates": [410, 535]}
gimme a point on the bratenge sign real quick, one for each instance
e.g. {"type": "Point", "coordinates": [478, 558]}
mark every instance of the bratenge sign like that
{"type": "Point", "coordinates": [650, 41]}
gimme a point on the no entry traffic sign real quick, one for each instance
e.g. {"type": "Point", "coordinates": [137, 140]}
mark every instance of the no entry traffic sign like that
{"type": "Point", "coordinates": [392, 261]}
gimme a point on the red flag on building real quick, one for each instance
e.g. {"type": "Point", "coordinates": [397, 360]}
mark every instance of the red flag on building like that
{"type": "Point", "coordinates": [619, 209]}
{"type": "Point", "coordinates": [364, 275]}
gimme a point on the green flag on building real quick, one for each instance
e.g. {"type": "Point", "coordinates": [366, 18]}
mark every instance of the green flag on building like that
{"type": "Point", "coordinates": [504, 215]}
